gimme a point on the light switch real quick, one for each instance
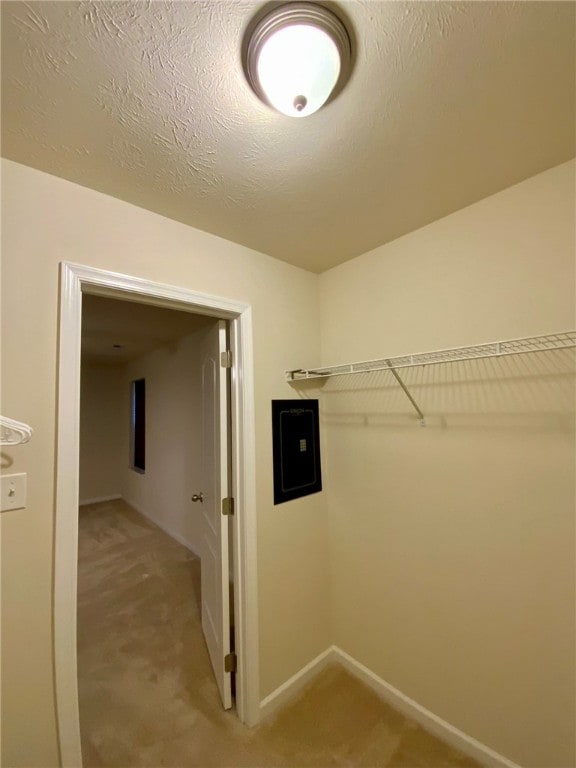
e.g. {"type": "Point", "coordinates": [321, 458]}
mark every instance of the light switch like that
{"type": "Point", "coordinates": [13, 491]}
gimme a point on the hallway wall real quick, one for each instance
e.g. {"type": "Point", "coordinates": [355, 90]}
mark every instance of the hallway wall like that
{"type": "Point", "coordinates": [47, 220]}
{"type": "Point", "coordinates": [102, 422]}
{"type": "Point", "coordinates": [173, 438]}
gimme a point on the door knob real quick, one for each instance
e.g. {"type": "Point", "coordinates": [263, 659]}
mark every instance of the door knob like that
{"type": "Point", "coordinates": [198, 497]}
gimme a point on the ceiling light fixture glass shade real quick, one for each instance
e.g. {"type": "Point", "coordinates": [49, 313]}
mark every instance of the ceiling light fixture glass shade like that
{"type": "Point", "coordinates": [297, 57]}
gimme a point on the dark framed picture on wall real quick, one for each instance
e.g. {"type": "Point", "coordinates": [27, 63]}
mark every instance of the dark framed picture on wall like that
{"type": "Point", "coordinates": [296, 449]}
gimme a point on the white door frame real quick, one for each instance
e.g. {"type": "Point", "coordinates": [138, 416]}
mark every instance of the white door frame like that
{"type": "Point", "coordinates": [75, 280]}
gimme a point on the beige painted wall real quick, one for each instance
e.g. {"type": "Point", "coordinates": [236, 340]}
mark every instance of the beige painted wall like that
{"type": "Point", "coordinates": [452, 561]}
{"type": "Point", "coordinates": [453, 546]}
{"type": "Point", "coordinates": [46, 220]}
{"type": "Point", "coordinates": [101, 424]}
{"type": "Point", "coordinates": [173, 438]}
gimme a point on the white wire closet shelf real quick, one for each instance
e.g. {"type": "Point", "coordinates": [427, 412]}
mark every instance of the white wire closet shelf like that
{"type": "Point", "coordinates": [14, 432]}
{"type": "Point", "coordinates": [545, 343]}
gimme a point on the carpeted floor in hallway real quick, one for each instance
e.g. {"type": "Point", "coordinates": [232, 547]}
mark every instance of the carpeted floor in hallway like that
{"type": "Point", "coordinates": [147, 694]}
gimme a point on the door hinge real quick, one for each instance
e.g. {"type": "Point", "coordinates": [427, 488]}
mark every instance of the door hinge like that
{"type": "Point", "coordinates": [228, 505]}
{"type": "Point", "coordinates": [230, 662]}
{"type": "Point", "coordinates": [226, 359]}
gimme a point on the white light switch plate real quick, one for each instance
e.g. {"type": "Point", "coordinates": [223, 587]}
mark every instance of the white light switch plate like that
{"type": "Point", "coordinates": [13, 492]}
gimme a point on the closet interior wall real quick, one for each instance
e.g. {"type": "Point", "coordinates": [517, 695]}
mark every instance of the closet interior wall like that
{"type": "Point", "coordinates": [452, 546]}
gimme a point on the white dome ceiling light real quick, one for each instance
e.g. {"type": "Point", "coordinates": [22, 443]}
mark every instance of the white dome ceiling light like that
{"type": "Point", "coordinates": [297, 56]}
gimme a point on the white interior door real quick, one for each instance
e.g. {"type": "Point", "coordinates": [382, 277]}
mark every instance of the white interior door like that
{"type": "Point", "coordinates": [214, 545]}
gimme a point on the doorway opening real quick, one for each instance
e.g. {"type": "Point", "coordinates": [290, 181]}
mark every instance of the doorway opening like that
{"type": "Point", "coordinates": [78, 282]}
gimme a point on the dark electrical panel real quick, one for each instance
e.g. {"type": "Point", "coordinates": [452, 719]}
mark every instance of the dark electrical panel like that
{"type": "Point", "coordinates": [296, 449]}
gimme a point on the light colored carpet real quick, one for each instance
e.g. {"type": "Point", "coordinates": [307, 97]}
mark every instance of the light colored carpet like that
{"type": "Point", "coordinates": [147, 694]}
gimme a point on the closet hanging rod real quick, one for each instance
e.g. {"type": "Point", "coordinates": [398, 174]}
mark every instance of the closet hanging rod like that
{"type": "Point", "coordinates": [544, 343]}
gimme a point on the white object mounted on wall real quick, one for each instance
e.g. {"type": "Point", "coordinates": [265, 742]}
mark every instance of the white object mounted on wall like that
{"type": "Point", "coordinates": [14, 432]}
{"type": "Point", "coordinates": [523, 346]}
{"type": "Point", "coordinates": [12, 492]}
{"type": "Point", "coordinates": [297, 57]}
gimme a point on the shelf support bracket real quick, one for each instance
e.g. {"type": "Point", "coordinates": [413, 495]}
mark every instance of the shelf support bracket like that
{"type": "Point", "coordinates": [407, 393]}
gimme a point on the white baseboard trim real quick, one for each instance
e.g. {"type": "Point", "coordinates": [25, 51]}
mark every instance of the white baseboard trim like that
{"type": "Point", "coordinates": [173, 534]}
{"type": "Point", "coordinates": [391, 695]}
{"type": "Point", "coordinates": [290, 689]}
{"type": "Point", "coordinates": [99, 499]}
{"type": "Point", "coordinates": [428, 720]}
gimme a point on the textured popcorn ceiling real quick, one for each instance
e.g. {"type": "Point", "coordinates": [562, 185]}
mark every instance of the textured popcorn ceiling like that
{"type": "Point", "coordinates": [147, 101]}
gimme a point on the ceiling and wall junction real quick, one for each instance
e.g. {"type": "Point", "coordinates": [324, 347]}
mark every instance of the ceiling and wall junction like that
{"type": "Point", "coordinates": [448, 103]}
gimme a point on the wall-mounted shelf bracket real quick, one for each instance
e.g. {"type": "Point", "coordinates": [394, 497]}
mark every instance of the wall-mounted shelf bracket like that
{"type": "Point", "coordinates": [407, 393]}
